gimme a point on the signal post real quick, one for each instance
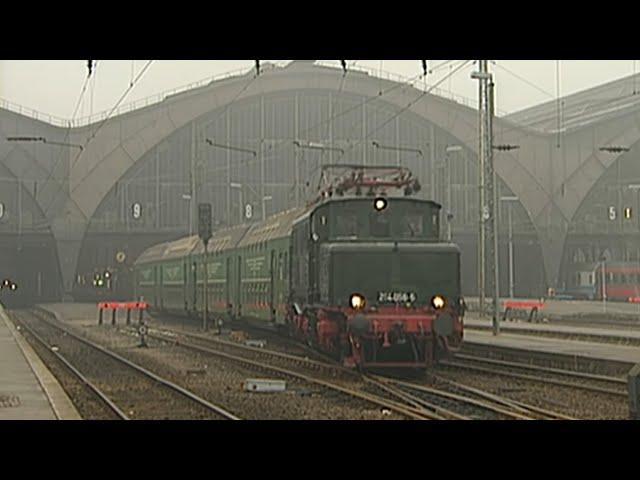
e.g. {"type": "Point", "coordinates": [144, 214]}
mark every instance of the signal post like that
{"type": "Point", "coordinates": [204, 232]}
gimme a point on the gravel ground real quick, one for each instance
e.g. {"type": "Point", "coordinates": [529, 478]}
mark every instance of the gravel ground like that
{"type": "Point", "coordinates": [575, 403]}
{"type": "Point", "coordinates": [220, 381]}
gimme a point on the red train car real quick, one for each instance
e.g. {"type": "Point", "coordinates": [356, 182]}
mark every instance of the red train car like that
{"type": "Point", "coordinates": [618, 281]}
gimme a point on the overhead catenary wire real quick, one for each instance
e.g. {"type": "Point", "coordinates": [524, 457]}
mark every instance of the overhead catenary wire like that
{"type": "Point", "coordinates": [68, 130]}
{"type": "Point", "coordinates": [524, 80]}
{"type": "Point", "coordinates": [247, 161]}
{"type": "Point", "coordinates": [442, 65]}
{"type": "Point", "coordinates": [117, 104]}
{"type": "Point", "coordinates": [93, 86]}
{"type": "Point", "coordinates": [558, 102]}
{"type": "Point", "coordinates": [95, 132]}
{"type": "Point", "coordinates": [367, 100]}
{"type": "Point", "coordinates": [338, 114]}
{"type": "Point", "coordinates": [135, 81]}
{"type": "Point", "coordinates": [411, 103]}
{"type": "Point", "coordinates": [349, 130]}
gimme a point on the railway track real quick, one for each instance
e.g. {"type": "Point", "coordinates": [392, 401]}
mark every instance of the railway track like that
{"type": "Point", "coordinates": [476, 404]}
{"type": "Point", "coordinates": [409, 399]}
{"type": "Point", "coordinates": [292, 366]}
{"type": "Point", "coordinates": [614, 386]}
{"type": "Point", "coordinates": [127, 389]}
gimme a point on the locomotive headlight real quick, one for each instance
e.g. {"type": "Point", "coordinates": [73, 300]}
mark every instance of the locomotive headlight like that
{"type": "Point", "coordinates": [438, 302]}
{"type": "Point", "coordinates": [13, 286]}
{"type": "Point", "coordinates": [380, 204]}
{"type": "Point", "coordinates": [357, 301]}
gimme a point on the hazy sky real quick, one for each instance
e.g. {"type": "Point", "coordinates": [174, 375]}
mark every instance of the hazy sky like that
{"type": "Point", "coordinates": [53, 87]}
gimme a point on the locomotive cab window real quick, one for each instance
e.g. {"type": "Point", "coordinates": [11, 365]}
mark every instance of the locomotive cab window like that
{"type": "Point", "coordinates": [407, 219]}
{"type": "Point", "coordinates": [413, 227]}
{"type": "Point", "coordinates": [346, 224]}
{"type": "Point", "coordinates": [380, 224]}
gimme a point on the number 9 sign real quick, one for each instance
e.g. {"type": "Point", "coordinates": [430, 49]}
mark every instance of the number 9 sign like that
{"type": "Point", "coordinates": [136, 210]}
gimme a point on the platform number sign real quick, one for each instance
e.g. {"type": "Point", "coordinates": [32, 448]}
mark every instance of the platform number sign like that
{"type": "Point", "coordinates": [1, 210]}
{"type": "Point", "coordinates": [204, 221]}
{"type": "Point", "coordinates": [485, 213]}
{"type": "Point", "coordinates": [248, 211]}
{"type": "Point", "coordinates": [612, 213]}
{"type": "Point", "coordinates": [136, 210]}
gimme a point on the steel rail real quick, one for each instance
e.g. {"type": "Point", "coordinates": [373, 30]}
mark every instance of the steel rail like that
{"type": "Point", "coordinates": [177, 388]}
{"type": "Point", "coordinates": [379, 382]}
{"type": "Point", "coordinates": [268, 352]}
{"type": "Point", "coordinates": [540, 368]}
{"type": "Point", "coordinates": [534, 378]}
{"type": "Point", "coordinates": [112, 406]}
{"type": "Point", "coordinates": [523, 414]}
{"type": "Point", "coordinates": [422, 403]}
{"type": "Point", "coordinates": [409, 411]}
{"type": "Point", "coordinates": [507, 401]}
{"type": "Point", "coordinates": [414, 401]}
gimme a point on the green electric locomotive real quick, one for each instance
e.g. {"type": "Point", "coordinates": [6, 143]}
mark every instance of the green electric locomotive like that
{"type": "Point", "coordinates": [360, 273]}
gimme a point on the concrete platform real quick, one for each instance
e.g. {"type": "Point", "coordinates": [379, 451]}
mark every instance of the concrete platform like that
{"type": "Point", "coordinates": [86, 314]}
{"type": "Point", "coordinates": [80, 314]}
{"type": "Point", "coordinates": [573, 308]}
{"type": "Point", "coordinates": [598, 351]}
{"type": "Point", "coordinates": [526, 327]}
{"type": "Point", "coordinates": [28, 390]}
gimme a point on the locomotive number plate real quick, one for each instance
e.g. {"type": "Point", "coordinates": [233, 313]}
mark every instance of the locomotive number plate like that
{"type": "Point", "coordinates": [396, 297]}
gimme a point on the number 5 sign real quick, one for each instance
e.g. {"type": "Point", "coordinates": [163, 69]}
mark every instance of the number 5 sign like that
{"type": "Point", "coordinates": [612, 213]}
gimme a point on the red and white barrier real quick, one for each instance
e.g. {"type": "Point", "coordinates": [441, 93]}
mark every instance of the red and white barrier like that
{"type": "Point", "coordinates": [115, 306]}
